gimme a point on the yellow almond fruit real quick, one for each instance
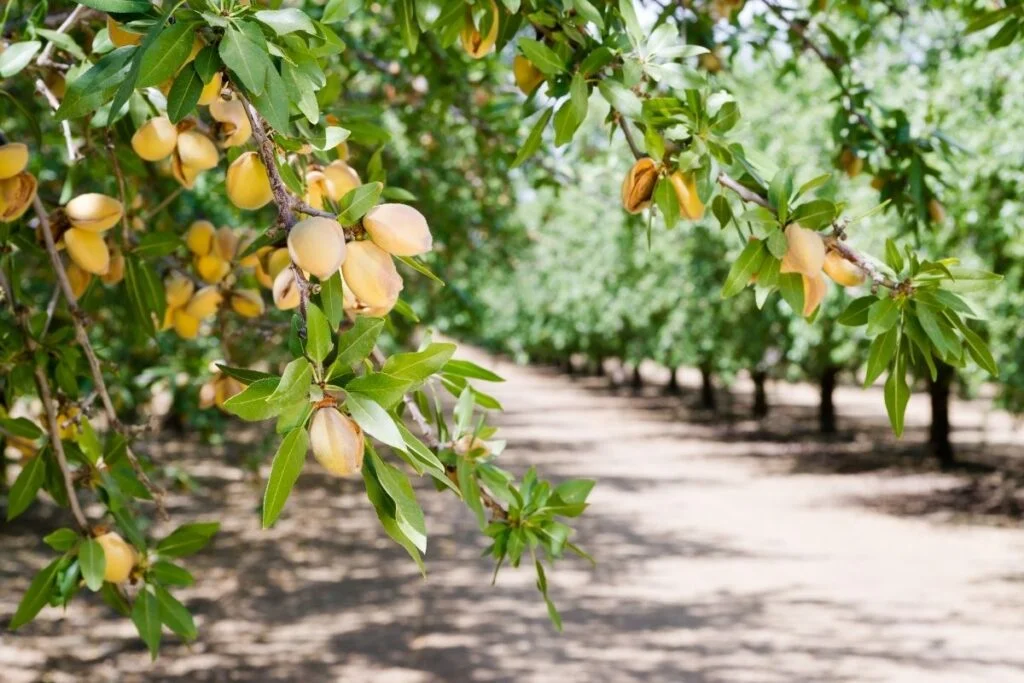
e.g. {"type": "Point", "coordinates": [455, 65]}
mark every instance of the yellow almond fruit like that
{"type": "Point", "coordinates": [225, 243]}
{"type": "Point", "coordinates": [318, 186]}
{"type": "Point", "coordinates": [88, 250]}
{"type": "Point", "coordinates": [337, 442]}
{"type": "Point", "coordinates": [212, 268]}
{"type": "Point", "coordinates": [247, 182]}
{"type": "Point", "coordinates": [247, 303]}
{"type": "Point", "coordinates": [78, 278]}
{"type": "Point", "coordinates": [850, 162]}
{"type": "Point", "coordinates": [120, 36]}
{"type": "Point", "coordinates": [805, 252]}
{"type": "Point", "coordinates": [343, 179]}
{"type": "Point", "coordinates": [224, 387]}
{"type": "Point", "coordinates": [197, 151]}
{"type": "Point", "coordinates": [204, 303]}
{"type": "Point", "coordinates": [233, 127]}
{"type": "Point", "coordinates": [16, 195]}
{"type": "Point", "coordinates": [317, 245]}
{"type": "Point", "coordinates": [398, 229]}
{"type": "Point", "coordinates": [690, 205]}
{"type": "Point", "coordinates": [13, 159]}
{"type": "Point", "coordinates": [936, 211]}
{"type": "Point", "coordinates": [200, 236]}
{"type": "Point", "coordinates": [528, 77]}
{"type": "Point", "coordinates": [815, 289]}
{"type": "Point", "coordinates": [178, 290]}
{"type": "Point", "coordinates": [278, 260]}
{"type": "Point", "coordinates": [120, 557]}
{"type": "Point", "coordinates": [208, 394]}
{"type": "Point", "coordinates": [115, 272]}
{"type": "Point", "coordinates": [286, 290]}
{"type": "Point", "coordinates": [475, 43]}
{"type": "Point", "coordinates": [187, 326]}
{"type": "Point", "coordinates": [371, 274]}
{"type": "Point", "coordinates": [155, 139]}
{"type": "Point", "coordinates": [842, 271]}
{"type": "Point", "coordinates": [638, 185]}
{"type": "Point", "coordinates": [183, 173]}
{"type": "Point", "coordinates": [94, 212]}
{"type": "Point", "coordinates": [211, 91]}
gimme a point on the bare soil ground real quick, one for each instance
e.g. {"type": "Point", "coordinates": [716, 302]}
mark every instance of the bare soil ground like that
{"type": "Point", "coordinates": [729, 551]}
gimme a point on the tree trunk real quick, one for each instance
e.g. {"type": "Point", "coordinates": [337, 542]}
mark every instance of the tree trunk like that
{"type": "Point", "coordinates": [569, 369]}
{"type": "Point", "coordinates": [827, 407]}
{"type": "Point", "coordinates": [638, 380]}
{"type": "Point", "coordinates": [939, 430]}
{"type": "Point", "coordinates": [599, 367]}
{"type": "Point", "coordinates": [708, 401]}
{"type": "Point", "coordinates": [673, 382]}
{"type": "Point", "coordinates": [760, 397]}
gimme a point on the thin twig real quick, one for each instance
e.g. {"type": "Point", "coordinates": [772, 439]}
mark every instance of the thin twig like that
{"type": "Point", "coordinates": [628, 134]}
{"type": "Point", "coordinates": [126, 232]}
{"type": "Point", "coordinates": [76, 14]}
{"type": "Point", "coordinates": [82, 336]}
{"type": "Point", "coordinates": [164, 203]}
{"type": "Point", "coordinates": [58, 447]}
{"type": "Point", "coordinates": [65, 125]}
{"type": "Point", "coordinates": [744, 192]}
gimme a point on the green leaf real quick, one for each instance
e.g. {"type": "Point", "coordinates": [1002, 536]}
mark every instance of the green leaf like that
{"type": "Point", "coordinates": [897, 394]}
{"type": "Point", "coordinates": [419, 267]}
{"type": "Point", "coordinates": [621, 98]}
{"type": "Point", "coordinates": [86, 93]}
{"type": "Point", "coordinates": [856, 314]}
{"type": "Point", "coordinates": [285, 21]}
{"type": "Point", "coordinates": [273, 101]}
{"type": "Point", "coordinates": [332, 300]}
{"type": "Point", "coordinates": [667, 202]}
{"type": "Point", "coordinates": [319, 340]}
{"type": "Point", "coordinates": [244, 51]}
{"type": "Point", "coordinates": [893, 257]}
{"type": "Point", "coordinates": [417, 366]}
{"type": "Point", "coordinates": [882, 315]}
{"type": "Point", "coordinates": [777, 243]}
{"type": "Point", "coordinates": [170, 574]}
{"type": "Point", "coordinates": [284, 471]}
{"type": "Point", "coordinates": [405, 13]}
{"type": "Point", "coordinates": [175, 615]}
{"type": "Point", "coordinates": [166, 54]}
{"type": "Point", "coordinates": [938, 330]}
{"type": "Point", "coordinates": [881, 352]}
{"type": "Point", "coordinates": [206, 63]}
{"type": "Point", "coordinates": [339, 10]}
{"type": "Point", "coordinates": [92, 561]}
{"type": "Point", "coordinates": [356, 344]}
{"type": "Point", "coordinates": [534, 139]}
{"type": "Point", "coordinates": [252, 404]}
{"type": "Point", "coordinates": [26, 486]}
{"type": "Point", "coordinates": [21, 427]}
{"type": "Point", "coordinates": [17, 56]}
{"type": "Point", "coordinates": [543, 57]}
{"type": "Point", "coordinates": [813, 184]}
{"type": "Point", "coordinates": [245, 375]}
{"type": "Point", "coordinates": [154, 245]}
{"type": "Point", "coordinates": [146, 617]}
{"type": "Point", "coordinates": [118, 6]}
{"type": "Point", "coordinates": [37, 595]}
{"type": "Point", "coordinates": [358, 202]}
{"type": "Point", "coordinates": [722, 210]}
{"type": "Point", "coordinates": [294, 383]}
{"type": "Point", "coordinates": [978, 349]}
{"type": "Point", "coordinates": [187, 539]}
{"type": "Point", "coordinates": [374, 420]}
{"type": "Point", "coordinates": [408, 513]}
{"type": "Point", "coordinates": [62, 540]}
{"type": "Point", "coordinates": [145, 294]}
{"type": "Point", "coordinates": [382, 388]}
{"type": "Point", "coordinates": [465, 368]}
{"type": "Point", "coordinates": [815, 214]}
{"type": "Point", "coordinates": [387, 510]}
{"type": "Point", "coordinates": [746, 265]}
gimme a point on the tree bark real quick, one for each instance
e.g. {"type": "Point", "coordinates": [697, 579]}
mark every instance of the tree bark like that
{"type": "Point", "coordinates": [599, 367]}
{"type": "Point", "coordinates": [826, 406]}
{"type": "Point", "coordinates": [638, 380]}
{"type": "Point", "coordinates": [939, 430]}
{"type": "Point", "coordinates": [673, 381]}
{"type": "Point", "coordinates": [708, 400]}
{"type": "Point", "coordinates": [760, 396]}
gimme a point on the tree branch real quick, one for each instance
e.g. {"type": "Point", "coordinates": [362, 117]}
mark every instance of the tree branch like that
{"type": "Point", "coordinates": [65, 125]}
{"type": "Point", "coordinates": [72, 19]}
{"type": "Point", "coordinates": [58, 447]}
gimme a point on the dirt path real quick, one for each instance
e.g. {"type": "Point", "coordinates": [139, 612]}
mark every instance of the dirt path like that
{"type": "Point", "coordinates": [715, 566]}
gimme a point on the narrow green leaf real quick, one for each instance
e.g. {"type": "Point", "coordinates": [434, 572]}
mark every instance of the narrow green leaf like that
{"type": "Point", "coordinates": [533, 140]}
{"type": "Point", "coordinates": [746, 265]}
{"type": "Point", "coordinates": [284, 471]}
{"type": "Point", "coordinates": [187, 539]}
{"type": "Point", "coordinates": [356, 344]}
{"type": "Point", "coordinates": [357, 202]}
{"type": "Point", "coordinates": [37, 595]}
{"type": "Point", "coordinates": [26, 486]}
{"type": "Point", "coordinates": [146, 617]}
{"type": "Point", "coordinates": [92, 562]}
{"type": "Point", "coordinates": [374, 420]}
{"type": "Point", "coordinates": [252, 404]}
{"type": "Point", "coordinates": [319, 340]}
{"type": "Point", "coordinates": [175, 615]}
{"type": "Point", "coordinates": [882, 350]}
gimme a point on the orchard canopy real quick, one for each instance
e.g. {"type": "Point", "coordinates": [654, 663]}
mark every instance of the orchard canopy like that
{"type": "Point", "coordinates": [253, 208]}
